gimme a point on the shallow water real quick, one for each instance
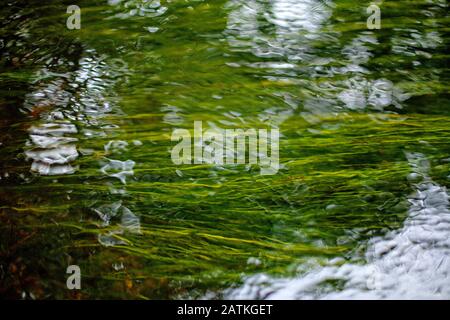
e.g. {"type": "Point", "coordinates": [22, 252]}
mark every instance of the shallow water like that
{"type": "Point", "coordinates": [358, 209]}
{"type": "Point", "coordinates": [408, 263]}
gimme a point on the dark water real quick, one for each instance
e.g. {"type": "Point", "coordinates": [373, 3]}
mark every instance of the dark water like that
{"type": "Point", "coordinates": [358, 209]}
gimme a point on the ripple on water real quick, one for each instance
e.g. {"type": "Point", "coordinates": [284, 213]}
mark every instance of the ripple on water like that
{"type": "Point", "coordinates": [118, 169]}
{"type": "Point", "coordinates": [129, 223]}
{"type": "Point", "coordinates": [294, 22]}
{"type": "Point", "coordinates": [410, 263]}
{"type": "Point", "coordinates": [137, 8]}
{"type": "Point", "coordinates": [52, 152]}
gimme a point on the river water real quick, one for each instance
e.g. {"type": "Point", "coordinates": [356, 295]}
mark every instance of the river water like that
{"type": "Point", "coordinates": [358, 208]}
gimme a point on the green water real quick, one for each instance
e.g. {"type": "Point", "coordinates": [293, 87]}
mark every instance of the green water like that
{"type": "Point", "coordinates": [349, 102]}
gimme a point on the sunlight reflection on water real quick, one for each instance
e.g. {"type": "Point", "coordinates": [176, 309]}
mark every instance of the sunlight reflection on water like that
{"type": "Point", "coordinates": [410, 263]}
{"type": "Point", "coordinates": [95, 112]}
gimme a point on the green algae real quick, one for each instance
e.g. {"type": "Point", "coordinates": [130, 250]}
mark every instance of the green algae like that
{"type": "Point", "coordinates": [343, 177]}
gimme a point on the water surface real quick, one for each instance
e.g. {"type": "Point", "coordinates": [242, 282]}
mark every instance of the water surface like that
{"type": "Point", "coordinates": [358, 209]}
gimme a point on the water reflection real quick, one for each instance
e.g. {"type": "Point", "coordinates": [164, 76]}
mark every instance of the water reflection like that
{"type": "Point", "coordinates": [128, 223]}
{"type": "Point", "coordinates": [281, 34]}
{"type": "Point", "coordinates": [305, 66]}
{"type": "Point", "coordinates": [52, 152]}
{"type": "Point", "coordinates": [63, 102]}
{"type": "Point", "coordinates": [286, 34]}
{"type": "Point", "coordinates": [410, 263]}
{"type": "Point", "coordinates": [72, 108]}
{"type": "Point", "coordinates": [135, 8]}
{"type": "Point", "coordinates": [280, 29]}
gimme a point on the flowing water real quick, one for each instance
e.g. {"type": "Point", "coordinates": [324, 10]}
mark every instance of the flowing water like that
{"type": "Point", "coordinates": [359, 206]}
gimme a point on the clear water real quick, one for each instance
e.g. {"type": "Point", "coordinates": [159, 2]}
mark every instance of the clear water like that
{"type": "Point", "coordinates": [358, 209]}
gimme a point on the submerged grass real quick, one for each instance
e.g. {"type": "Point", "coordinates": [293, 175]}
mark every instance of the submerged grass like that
{"type": "Point", "coordinates": [344, 176]}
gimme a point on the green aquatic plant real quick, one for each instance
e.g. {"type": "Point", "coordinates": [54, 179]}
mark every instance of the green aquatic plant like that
{"type": "Point", "coordinates": [349, 104]}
